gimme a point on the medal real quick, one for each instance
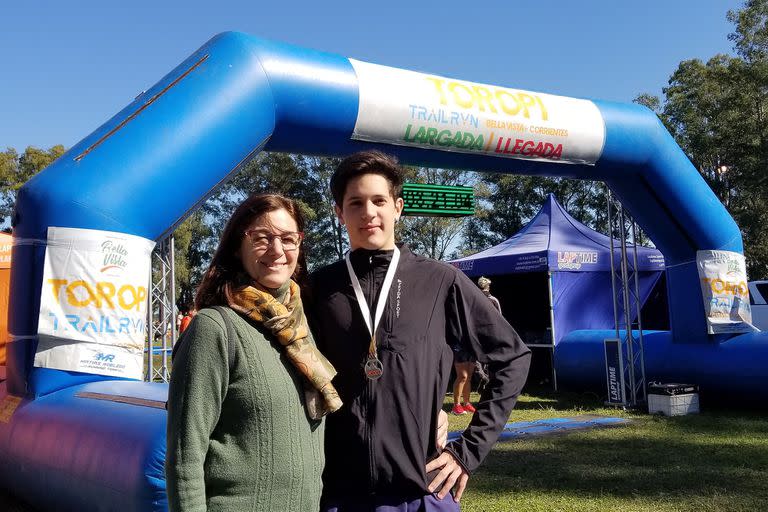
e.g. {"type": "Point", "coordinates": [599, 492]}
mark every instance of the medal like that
{"type": "Point", "coordinates": [372, 368]}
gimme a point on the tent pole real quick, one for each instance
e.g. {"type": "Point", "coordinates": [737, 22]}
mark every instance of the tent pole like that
{"type": "Point", "coordinates": [613, 269]}
{"type": "Point", "coordinates": [638, 308]}
{"type": "Point", "coordinates": [552, 328]}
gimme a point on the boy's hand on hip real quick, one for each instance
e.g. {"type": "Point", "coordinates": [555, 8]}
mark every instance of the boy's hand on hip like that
{"type": "Point", "coordinates": [451, 474]}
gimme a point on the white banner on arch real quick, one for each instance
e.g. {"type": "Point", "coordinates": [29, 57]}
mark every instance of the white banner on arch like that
{"type": "Point", "coordinates": [723, 278]}
{"type": "Point", "coordinates": [93, 302]}
{"type": "Point", "coordinates": [407, 108]}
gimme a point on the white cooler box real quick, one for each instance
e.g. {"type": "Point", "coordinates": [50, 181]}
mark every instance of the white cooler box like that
{"type": "Point", "coordinates": [673, 399]}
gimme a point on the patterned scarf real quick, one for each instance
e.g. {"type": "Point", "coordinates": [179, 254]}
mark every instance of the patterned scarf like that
{"type": "Point", "coordinates": [286, 321]}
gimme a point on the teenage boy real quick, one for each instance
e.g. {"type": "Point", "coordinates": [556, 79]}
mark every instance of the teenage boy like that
{"type": "Point", "coordinates": [386, 319]}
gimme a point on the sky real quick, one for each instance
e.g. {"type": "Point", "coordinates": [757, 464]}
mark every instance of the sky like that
{"type": "Point", "coordinates": [68, 66]}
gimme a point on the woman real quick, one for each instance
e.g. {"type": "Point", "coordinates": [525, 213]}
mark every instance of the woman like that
{"type": "Point", "coordinates": [243, 429]}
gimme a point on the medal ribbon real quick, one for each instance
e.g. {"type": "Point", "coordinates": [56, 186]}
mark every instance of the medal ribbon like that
{"type": "Point", "coordinates": [384, 294]}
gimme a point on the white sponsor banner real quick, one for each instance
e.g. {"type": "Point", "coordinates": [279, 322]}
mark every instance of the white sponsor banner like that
{"type": "Point", "coordinates": [415, 109]}
{"type": "Point", "coordinates": [723, 278]}
{"type": "Point", "coordinates": [93, 303]}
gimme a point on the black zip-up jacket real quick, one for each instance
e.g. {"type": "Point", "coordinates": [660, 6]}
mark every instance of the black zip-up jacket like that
{"type": "Point", "coordinates": [379, 442]}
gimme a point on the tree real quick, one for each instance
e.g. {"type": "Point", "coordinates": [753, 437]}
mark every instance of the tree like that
{"type": "Point", "coordinates": [649, 100]}
{"type": "Point", "coordinates": [717, 113]}
{"type": "Point", "coordinates": [9, 164]}
{"type": "Point", "coordinates": [15, 170]}
{"type": "Point", "coordinates": [511, 201]}
{"type": "Point", "coordinates": [751, 35]}
{"type": "Point", "coordinates": [330, 238]}
{"type": "Point", "coordinates": [654, 104]}
{"type": "Point", "coordinates": [699, 107]}
{"type": "Point", "coordinates": [303, 179]}
{"type": "Point", "coordinates": [432, 236]}
{"type": "Point", "coordinates": [191, 259]}
{"type": "Point", "coordinates": [474, 237]}
{"type": "Point", "coordinates": [750, 154]}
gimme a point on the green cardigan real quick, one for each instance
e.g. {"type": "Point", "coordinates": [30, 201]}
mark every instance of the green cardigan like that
{"type": "Point", "coordinates": [239, 441]}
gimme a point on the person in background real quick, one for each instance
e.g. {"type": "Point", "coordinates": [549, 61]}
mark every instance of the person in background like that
{"type": "Point", "coordinates": [485, 286]}
{"type": "Point", "coordinates": [386, 319]}
{"type": "Point", "coordinates": [481, 369]}
{"type": "Point", "coordinates": [187, 319]}
{"type": "Point", "coordinates": [244, 429]}
{"type": "Point", "coordinates": [464, 366]}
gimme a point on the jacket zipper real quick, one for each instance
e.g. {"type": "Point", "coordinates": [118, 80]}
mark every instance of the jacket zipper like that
{"type": "Point", "coordinates": [369, 389]}
{"type": "Point", "coordinates": [369, 428]}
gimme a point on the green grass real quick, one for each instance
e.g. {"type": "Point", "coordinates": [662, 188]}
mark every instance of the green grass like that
{"type": "Point", "coordinates": [713, 461]}
{"type": "Point", "coordinates": [157, 361]}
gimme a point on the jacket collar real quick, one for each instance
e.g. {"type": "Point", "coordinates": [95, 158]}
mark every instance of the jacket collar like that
{"type": "Point", "coordinates": [365, 259]}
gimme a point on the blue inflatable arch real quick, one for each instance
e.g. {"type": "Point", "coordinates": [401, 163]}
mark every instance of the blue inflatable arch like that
{"type": "Point", "coordinates": [146, 168]}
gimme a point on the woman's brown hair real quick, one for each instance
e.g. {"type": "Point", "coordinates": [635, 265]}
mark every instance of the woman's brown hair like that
{"type": "Point", "coordinates": [226, 270]}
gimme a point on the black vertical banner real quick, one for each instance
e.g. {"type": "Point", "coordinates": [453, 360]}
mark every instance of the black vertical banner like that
{"type": "Point", "coordinates": [614, 372]}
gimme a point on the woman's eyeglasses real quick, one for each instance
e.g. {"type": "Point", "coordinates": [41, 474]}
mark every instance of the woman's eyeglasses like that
{"type": "Point", "coordinates": [261, 240]}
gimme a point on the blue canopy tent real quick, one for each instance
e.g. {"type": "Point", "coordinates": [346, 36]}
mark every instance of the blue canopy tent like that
{"type": "Point", "coordinates": [555, 273]}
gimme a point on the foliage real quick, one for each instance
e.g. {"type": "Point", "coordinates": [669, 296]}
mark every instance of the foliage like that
{"type": "Point", "coordinates": [301, 178]}
{"type": "Point", "coordinates": [653, 103]}
{"type": "Point", "coordinates": [15, 170]}
{"type": "Point", "coordinates": [432, 236]}
{"type": "Point", "coordinates": [716, 110]}
{"type": "Point", "coordinates": [508, 202]}
{"type": "Point", "coordinates": [718, 113]}
{"type": "Point", "coordinates": [193, 249]}
{"type": "Point", "coordinates": [329, 242]}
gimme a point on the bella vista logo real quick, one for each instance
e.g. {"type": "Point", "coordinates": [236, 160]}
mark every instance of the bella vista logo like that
{"type": "Point", "coordinates": [114, 256]}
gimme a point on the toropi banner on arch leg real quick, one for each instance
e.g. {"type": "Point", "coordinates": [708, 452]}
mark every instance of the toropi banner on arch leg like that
{"type": "Point", "coordinates": [93, 304]}
{"type": "Point", "coordinates": [723, 278]}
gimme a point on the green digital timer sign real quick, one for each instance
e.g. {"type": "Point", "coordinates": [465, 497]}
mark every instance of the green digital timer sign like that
{"type": "Point", "coordinates": [428, 200]}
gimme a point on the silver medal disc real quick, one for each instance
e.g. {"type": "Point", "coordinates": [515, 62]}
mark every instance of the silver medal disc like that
{"type": "Point", "coordinates": [373, 368]}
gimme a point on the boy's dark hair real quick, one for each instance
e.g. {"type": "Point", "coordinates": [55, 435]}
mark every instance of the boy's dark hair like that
{"type": "Point", "coordinates": [367, 162]}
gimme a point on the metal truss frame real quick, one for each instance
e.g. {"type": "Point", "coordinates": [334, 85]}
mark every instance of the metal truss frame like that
{"type": "Point", "coordinates": [161, 313]}
{"type": "Point", "coordinates": [625, 285]}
